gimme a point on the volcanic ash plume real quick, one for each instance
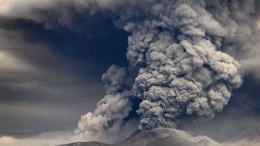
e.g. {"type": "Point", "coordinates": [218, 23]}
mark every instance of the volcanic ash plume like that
{"type": "Point", "coordinates": [180, 59]}
{"type": "Point", "coordinates": [182, 72]}
{"type": "Point", "coordinates": [111, 110]}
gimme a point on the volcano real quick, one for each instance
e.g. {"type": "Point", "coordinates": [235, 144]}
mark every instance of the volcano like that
{"type": "Point", "coordinates": [157, 137]}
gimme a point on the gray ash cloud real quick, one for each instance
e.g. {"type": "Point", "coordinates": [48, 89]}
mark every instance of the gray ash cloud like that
{"type": "Point", "coordinates": [185, 58]}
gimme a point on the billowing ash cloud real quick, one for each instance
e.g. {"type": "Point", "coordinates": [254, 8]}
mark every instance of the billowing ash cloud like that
{"type": "Point", "coordinates": [185, 58]}
{"type": "Point", "coordinates": [182, 50]}
{"type": "Point", "coordinates": [179, 48]}
{"type": "Point", "coordinates": [112, 109]}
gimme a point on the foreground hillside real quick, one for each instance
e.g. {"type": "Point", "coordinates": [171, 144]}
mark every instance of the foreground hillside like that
{"type": "Point", "coordinates": [158, 137]}
{"type": "Point", "coordinates": [173, 137]}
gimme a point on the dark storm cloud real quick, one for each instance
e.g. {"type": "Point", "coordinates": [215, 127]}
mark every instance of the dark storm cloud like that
{"type": "Point", "coordinates": [71, 44]}
{"type": "Point", "coordinates": [58, 69]}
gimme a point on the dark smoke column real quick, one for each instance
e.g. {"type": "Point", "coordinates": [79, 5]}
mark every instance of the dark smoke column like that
{"type": "Point", "coordinates": [183, 73]}
{"type": "Point", "coordinates": [179, 49]}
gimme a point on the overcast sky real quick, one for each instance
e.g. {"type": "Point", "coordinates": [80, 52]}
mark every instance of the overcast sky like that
{"type": "Point", "coordinates": [50, 78]}
{"type": "Point", "coordinates": [51, 74]}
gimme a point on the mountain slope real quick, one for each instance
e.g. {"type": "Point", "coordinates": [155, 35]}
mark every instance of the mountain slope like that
{"type": "Point", "coordinates": [173, 137]}
{"type": "Point", "coordinates": [248, 138]}
{"type": "Point", "coordinates": [157, 137]}
{"type": "Point", "coordinates": [86, 144]}
{"type": "Point", "coordinates": [171, 141]}
{"type": "Point", "coordinates": [165, 137]}
{"type": "Point", "coordinates": [199, 140]}
{"type": "Point", "coordinates": [138, 138]}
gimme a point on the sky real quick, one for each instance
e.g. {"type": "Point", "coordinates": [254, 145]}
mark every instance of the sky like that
{"type": "Point", "coordinates": [49, 78]}
{"type": "Point", "coordinates": [52, 58]}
